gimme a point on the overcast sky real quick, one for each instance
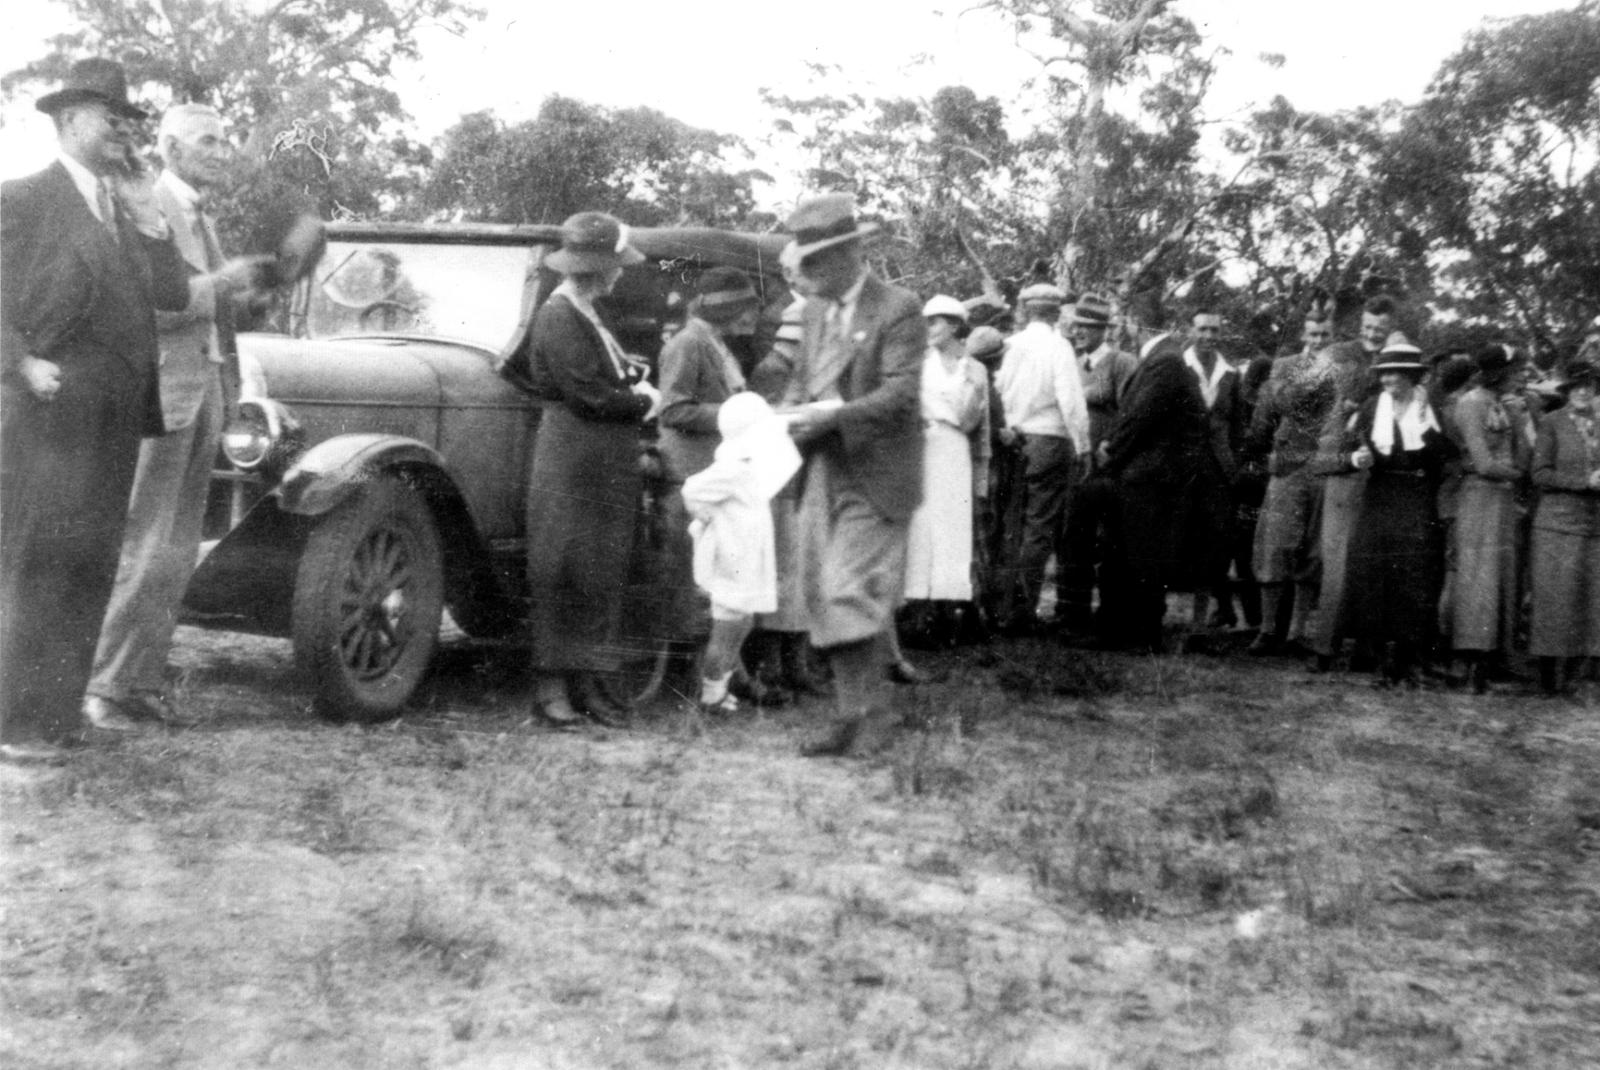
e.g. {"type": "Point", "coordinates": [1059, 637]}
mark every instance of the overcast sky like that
{"type": "Point", "coordinates": [702, 61]}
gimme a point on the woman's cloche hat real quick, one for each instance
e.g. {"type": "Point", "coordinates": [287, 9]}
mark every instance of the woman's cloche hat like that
{"type": "Point", "coordinates": [725, 293]}
{"type": "Point", "coordinates": [592, 242]}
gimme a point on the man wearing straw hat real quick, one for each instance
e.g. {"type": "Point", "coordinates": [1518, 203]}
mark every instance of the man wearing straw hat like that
{"type": "Point", "coordinates": [87, 260]}
{"type": "Point", "coordinates": [854, 409]}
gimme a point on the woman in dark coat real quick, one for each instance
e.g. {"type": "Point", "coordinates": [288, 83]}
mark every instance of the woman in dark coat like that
{"type": "Point", "coordinates": [585, 484]}
{"type": "Point", "coordinates": [1397, 545]}
{"type": "Point", "coordinates": [1566, 531]}
{"type": "Point", "coordinates": [698, 373]}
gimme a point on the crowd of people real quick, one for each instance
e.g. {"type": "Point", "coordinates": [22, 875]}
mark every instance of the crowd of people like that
{"type": "Point", "coordinates": [958, 470]}
{"type": "Point", "coordinates": [968, 471]}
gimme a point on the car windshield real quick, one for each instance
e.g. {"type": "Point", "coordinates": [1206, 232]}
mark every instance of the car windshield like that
{"type": "Point", "coordinates": [464, 292]}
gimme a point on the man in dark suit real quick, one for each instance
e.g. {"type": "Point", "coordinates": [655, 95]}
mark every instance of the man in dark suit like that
{"type": "Point", "coordinates": [199, 382]}
{"type": "Point", "coordinates": [854, 399]}
{"type": "Point", "coordinates": [1154, 450]}
{"type": "Point", "coordinates": [85, 260]}
{"type": "Point", "coordinates": [1211, 520]}
{"type": "Point", "coordinates": [1092, 512]}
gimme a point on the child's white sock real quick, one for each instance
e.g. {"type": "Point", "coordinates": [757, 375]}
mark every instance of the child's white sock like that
{"type": "Point", "coordinates": [715, 689]}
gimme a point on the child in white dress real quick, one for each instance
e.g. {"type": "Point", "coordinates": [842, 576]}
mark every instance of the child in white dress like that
{"type": "Point", "coordinates": [734, 559]}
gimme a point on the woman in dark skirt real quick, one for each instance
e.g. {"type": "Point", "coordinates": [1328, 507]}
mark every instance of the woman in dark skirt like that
{"type": "Point", "coordinates": [1397, 545]}
{"type": "Point", "coordinates": [585, 484]}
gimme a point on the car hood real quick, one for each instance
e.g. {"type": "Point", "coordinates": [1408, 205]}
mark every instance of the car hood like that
{"type": "Point", "coordinates": [376, 369]}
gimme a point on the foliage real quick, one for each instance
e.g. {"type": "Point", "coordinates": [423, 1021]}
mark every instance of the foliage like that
{"type": "Point", "coordinates": [943, 172]}
{"type": "Point", "coordinates": [642, 166]}
{"type": "Point", "coordinates": [1498, 171]}
{"type": "Point", "coordinates": [308, 86]}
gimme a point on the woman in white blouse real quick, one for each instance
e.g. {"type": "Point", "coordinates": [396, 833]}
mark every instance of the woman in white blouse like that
{"type": "Point", "coordinates": [955, 420]}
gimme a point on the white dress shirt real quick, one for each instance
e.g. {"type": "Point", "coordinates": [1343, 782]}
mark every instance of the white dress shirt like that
{"type": "Point", "coordinates": [88, 184]}
{"type": "Point", "coordinates": [1040, 387]}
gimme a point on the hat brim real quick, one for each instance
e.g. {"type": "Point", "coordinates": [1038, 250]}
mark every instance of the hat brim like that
{"type": "Point", "coordinates": [800, 252]}
{"type": "Point", "coordinates": [576, 262]}
{"type": "Point", "coordinates": [1080, 321]}
{"type": "Point", "coordinates": [51, 103]}
{"type": "Point", "coordinates": [1413, 366]}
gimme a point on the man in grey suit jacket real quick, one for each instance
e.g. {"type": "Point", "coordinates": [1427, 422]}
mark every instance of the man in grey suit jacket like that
{"type": "Point", "coordinates": [199, 383]}
{"type": "Point", "coordinates": [854, 396]}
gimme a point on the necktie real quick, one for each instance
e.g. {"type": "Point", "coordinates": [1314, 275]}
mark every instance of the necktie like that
{"type": "Point", "coordinates": [829, 360]}
{"type": "Point", "coordinates": [208, 241]}
{"type": "Point", "coordinates": [108, 207]}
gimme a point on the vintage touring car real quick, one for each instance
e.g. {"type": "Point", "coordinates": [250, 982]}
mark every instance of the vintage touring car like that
{"type": "Point", "coordinates": [378, 478]}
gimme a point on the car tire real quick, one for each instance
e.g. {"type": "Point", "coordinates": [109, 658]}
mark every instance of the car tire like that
{"type": "Point", "coordinates": [368, 599]}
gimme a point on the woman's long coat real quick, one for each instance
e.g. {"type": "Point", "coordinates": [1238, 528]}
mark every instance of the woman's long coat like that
{"type": "Point", "coordinates": [1565, 566]}
{"type": "Point", "coordinates": [583, 492]}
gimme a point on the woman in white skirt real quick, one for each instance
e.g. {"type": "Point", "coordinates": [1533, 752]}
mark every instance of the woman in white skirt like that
{"type": "Point", "coordinates": [955, 420]}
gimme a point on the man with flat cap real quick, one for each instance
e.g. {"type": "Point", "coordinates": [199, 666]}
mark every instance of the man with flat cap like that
{"type": "Point", "coordinates": [855, 411]}
{"type": "Point", "coordinates": [1047, 430]}
{"type": "Point", "coordinates": [85, 261]}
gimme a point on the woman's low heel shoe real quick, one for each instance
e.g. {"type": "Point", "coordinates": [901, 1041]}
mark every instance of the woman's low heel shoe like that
{"type": "Point", "coordinates": [558, 713]}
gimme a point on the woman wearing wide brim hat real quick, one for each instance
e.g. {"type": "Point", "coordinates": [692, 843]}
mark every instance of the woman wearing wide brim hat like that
{"type": "Point", "coordinates": [1564, 561]}
{"type": "Point", "coordinates": [1494, 438]}
{"type": "Point", "coordinates": [1397, 547]}
{"type": "Point", "coordinates": [585, 484]}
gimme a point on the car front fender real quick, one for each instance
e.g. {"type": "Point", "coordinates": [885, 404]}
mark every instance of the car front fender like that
{"type": "Point", "coordinates": [332, 470]}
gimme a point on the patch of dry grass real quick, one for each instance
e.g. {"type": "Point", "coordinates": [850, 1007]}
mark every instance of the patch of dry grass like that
{"type": "Point", "coordinates": [1068, 860]}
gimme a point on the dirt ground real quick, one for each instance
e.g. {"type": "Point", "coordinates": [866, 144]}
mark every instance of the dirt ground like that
{"type": "Point", "coordinates": [1078, 861]}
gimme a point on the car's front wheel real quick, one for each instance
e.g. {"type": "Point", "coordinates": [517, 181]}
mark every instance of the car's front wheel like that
{"type": "Point", "coordinates": [367, 602]}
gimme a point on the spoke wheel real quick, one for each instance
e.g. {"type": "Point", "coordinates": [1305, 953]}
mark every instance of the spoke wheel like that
{"type": "Point", "coordinates": [367, 602]}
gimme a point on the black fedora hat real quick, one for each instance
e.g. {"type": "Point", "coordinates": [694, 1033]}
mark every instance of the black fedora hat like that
{"type": "Point", "coordinates": [94, 79]}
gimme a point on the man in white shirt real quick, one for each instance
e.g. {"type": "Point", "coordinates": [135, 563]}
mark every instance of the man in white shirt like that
{"type": "Point", "coordinates": [199, 384]}
{"type": "Point", "coordinates": [1047, 429]}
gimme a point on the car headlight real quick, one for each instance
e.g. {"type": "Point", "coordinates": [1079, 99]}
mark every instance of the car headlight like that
{"type": "Point", "coordinates": [262, 431]}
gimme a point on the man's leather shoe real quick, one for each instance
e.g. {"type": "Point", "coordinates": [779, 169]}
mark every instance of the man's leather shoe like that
{"type": "Point", "coordinates": [836, 743]}
{"type": "Point", "coordinates": [1263, 645]}
{"type": "Point", "coordinates": [32, 753]}
{"type": "Point", "coordinates": [903, 672]}
{"type": "Point", "coordinates": [104, 715]}
{"type": "Point", "coordinates": [149, 706]}
{"type": "Point", "coordinates": [598, 706]}
{"type": "Point", "coordinates": [753, 689]}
